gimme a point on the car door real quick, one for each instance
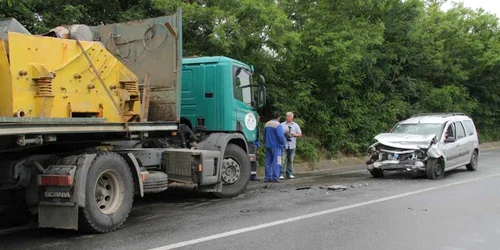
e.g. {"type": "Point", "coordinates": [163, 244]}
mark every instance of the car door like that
{"type": "Point", "coordinates": [463, 144]}
{"type": "Point", "coordinates": [451, 150]}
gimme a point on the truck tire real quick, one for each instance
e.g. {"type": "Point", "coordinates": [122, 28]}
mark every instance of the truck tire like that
{"type": "Point", "coordinates": [377, 173]}
{"type": "Point", "coordinates": [235, 172]}
{"type": "Point", "coordinates": [435, 169]}
{"type": "Point", "coordinates": [472, 166]}
{"type": "Point", "coordinates": [109, 194]}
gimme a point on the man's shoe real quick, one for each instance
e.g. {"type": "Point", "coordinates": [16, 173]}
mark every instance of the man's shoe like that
{"type": "Point", "coordinates": [291, 176]}
{"type": "Point", "coordinates": [255, 179]}
{"type": "Point", "coordinates": [281, 177]}
{"type": "Point", "coordinates": [276, 181]}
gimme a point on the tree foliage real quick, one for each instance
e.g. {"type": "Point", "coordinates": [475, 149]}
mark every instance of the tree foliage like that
{"type": "Point", "coordinates": [348, 69]}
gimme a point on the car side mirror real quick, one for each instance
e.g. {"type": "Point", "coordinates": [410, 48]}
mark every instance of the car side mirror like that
{"type": "Point", "coordinates": [449, 139]}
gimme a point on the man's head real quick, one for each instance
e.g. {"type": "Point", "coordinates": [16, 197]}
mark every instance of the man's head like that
{"type": "Point", "coordinates": [276, 115]}
{"type": "Point", "coordinates": [289, 116]}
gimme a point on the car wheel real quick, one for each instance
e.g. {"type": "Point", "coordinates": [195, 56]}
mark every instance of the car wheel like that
{"type": "Point", "coordinates": [472, 166]}
{"type": "Point", "coordinates": [435, 169]}
{"type": "Point", "coordinates": [377, 173]}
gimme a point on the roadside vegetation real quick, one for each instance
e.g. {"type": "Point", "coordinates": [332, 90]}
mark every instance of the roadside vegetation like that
{"type": "Point", "coordinates": [348, 69]}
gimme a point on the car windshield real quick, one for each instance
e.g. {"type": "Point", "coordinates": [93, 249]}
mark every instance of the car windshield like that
{"type": "Point", "coordinates": [418, 128]}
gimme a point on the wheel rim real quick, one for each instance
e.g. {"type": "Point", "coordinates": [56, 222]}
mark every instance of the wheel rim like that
{"type": "Point", "coordinates": [109, 192]}
{"type": "Point", "coordinates": [473, 163]}
{"type": "Point", "coordinates": [438, 170]}
{"type": "Point", "coordinates": [231, 171]}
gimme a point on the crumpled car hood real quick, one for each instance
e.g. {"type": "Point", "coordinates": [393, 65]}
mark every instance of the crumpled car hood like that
{"type": "Point", "coordinates": [405, 141]}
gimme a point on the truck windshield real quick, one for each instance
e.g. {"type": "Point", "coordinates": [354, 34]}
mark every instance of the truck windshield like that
{"type": "Point", "coordinates": [418, 128]}
{"type": "Point", "coordinates": [243, 86]}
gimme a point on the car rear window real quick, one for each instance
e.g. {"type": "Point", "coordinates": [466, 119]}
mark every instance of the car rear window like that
{"type": "Point", "coordinates": [469, 126]}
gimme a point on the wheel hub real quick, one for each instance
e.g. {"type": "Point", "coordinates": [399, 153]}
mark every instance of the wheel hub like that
{"type": "Point", "coordinates": [231, 171]}
{"type": "Point", "coordinates": [109, 192]}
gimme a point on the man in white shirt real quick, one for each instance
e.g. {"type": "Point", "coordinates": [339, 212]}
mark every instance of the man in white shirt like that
{"type": "Point", "coordinates": [292, 131]}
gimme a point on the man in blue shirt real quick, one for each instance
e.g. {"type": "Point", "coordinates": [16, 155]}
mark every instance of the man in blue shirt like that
{"type": "Point", "coordinates": [274, 139]}
{"type": "Point", "coordinates": [292, 131]}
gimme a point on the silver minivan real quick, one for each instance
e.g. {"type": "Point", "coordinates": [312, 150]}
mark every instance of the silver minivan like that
{"type": "Point", "coordinates": [427, 143]}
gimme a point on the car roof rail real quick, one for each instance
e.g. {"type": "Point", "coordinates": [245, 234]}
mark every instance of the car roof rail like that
{"type": "Point", "coordinates": [439, 114]}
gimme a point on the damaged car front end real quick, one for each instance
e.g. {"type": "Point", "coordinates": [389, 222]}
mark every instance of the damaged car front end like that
{"type": "Point", "coordinates": [402, 152]}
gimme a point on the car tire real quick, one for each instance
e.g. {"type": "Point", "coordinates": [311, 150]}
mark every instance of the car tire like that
{"type": "Point", "coordinates": [472, 166]}
{"type": "Point", "coordinates": [435, 169]}
{"type": "Point", "coordinates": [377, 173]}
{"type": "Point", "coordinates": [109, 193]}
{"type": "Point", "coordinates": [235, 172]}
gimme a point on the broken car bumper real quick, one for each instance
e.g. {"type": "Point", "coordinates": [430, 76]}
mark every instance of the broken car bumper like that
{"type": "Point", "coordinates": [406, 165]}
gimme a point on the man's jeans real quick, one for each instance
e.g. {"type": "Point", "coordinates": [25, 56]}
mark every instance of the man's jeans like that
{"type": "Point", "coordinates": [273, 159]}
{"type": "Point", "coordinates": [288, 155]}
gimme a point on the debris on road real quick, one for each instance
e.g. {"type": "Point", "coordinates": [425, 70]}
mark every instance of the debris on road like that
{"type": "Point", "coordinates": [303, 188]}
{"type": "Point", "coordinates": [244, 211]}
{"type": "Point", "coordinates": [353, 186]}
{"type": "Point", "coordinates": [409, 208]}
{"type": "Point", "coordinates": [337, 187]}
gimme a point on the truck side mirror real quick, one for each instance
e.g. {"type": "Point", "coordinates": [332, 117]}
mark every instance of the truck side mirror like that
{"type": "Point", "coordinates": [261, 81]}
{"type": "Point", "coordinates": [261, 96]}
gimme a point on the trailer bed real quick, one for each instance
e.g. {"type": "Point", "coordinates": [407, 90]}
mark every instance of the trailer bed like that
{"type": "Point", "coordinates": [21, 132]}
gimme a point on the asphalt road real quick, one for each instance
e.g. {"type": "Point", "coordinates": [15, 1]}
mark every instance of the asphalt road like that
{"type": "Point", "coordinates": [462, 211]}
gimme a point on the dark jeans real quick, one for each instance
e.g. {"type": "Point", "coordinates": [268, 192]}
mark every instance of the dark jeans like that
{"type": "Point", "coordinates": [288, 155]}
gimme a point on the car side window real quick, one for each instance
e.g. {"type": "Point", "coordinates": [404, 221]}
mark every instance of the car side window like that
{"type": "Point", "coordinates": [469, 127]}
{"type": "Point", "coordinates": [450, 131]}
{"type": "Point", "coordinates": [460, 130]}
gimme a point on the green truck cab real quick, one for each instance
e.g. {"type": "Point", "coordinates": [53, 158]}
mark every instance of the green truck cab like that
{"type": "Point", "coordinates": [219, 93]}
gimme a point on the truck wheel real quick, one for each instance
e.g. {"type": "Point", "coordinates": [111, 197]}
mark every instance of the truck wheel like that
{"type": "Point", "coordinates": [377, 173]}
{"type": "Point", "coordinates": [235, 172]}
{"type": "Point", "coordinates": [434, 169]}
{"type": "Point", "coordinates": [109, 193]}
{"type": "Point", "coordinates": [472, 166]}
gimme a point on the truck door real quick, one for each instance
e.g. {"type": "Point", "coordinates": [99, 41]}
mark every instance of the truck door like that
{"type": "Point", "coordinates": [245, 116]}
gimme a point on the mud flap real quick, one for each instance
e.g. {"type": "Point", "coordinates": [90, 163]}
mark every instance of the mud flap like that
{"type": "Point", "coordinates": [63, 214]}
{"type": "Point", "coordinates": [58, 216]}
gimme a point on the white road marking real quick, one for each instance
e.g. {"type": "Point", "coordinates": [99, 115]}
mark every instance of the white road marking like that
{"type": "Point", "coordinates": [306, 216]}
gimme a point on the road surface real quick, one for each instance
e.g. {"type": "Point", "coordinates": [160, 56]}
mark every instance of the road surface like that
{"type": "Point", "coordinates": [462, 211]}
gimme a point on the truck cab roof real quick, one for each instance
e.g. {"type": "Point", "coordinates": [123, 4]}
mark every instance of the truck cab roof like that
{"type": "Point", "coordinates": [213, 59]}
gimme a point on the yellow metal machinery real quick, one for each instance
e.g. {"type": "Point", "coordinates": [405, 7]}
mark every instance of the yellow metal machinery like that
{"type": "Point", "coordinates": [59, 78]}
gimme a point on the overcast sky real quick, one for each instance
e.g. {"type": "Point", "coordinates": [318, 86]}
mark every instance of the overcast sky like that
{"type": "Point", "coordinates": [492, 6]}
